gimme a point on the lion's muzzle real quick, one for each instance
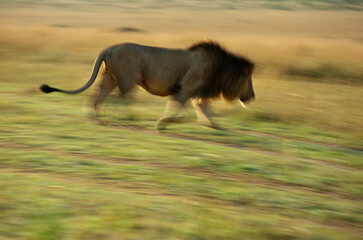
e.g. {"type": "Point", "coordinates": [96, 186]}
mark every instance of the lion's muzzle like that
{"type": "Point", "coordinates": [248, 98]}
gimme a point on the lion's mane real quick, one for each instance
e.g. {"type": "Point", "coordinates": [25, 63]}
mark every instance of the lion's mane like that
{"type": "Point", "coordinates": [224, 73]}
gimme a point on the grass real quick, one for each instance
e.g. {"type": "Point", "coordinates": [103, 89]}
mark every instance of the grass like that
{"type": "Point", "coordinates": [288, 167]}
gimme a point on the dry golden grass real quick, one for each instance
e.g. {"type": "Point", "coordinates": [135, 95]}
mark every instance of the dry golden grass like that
{"type": "Point", "coordinates": [275, 39]}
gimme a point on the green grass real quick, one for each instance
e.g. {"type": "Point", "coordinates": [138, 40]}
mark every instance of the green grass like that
{"type": "Point", "coordinates": [65, 176]}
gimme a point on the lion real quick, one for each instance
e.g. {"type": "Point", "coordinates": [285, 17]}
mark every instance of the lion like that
{"type": "Point", "coordinates": [203, 72]}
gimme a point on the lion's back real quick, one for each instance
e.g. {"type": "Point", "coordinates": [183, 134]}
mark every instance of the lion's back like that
{"type": "Point", "coordinates": [158, 69]}
{"type": "Point", "coordinates": [163, 68]}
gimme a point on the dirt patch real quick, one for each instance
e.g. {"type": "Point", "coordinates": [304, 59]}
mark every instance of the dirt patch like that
{"type": "Point", "coordinates": [129, 30]}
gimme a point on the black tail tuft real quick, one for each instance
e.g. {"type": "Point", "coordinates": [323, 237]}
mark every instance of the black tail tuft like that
{"type": "Point", "coordinates": [45, 88]}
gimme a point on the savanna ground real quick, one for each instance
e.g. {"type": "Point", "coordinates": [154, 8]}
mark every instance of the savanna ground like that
{"type": "Point", "coordinates": [288, 167]}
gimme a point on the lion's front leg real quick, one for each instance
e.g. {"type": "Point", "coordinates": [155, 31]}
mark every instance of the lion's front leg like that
{"type": "Point", "coordinates": [172, 110]}
{"type": "Point", "coordinates": [203, 114]}
{"type": "Point", "coordinates": [188, 86]}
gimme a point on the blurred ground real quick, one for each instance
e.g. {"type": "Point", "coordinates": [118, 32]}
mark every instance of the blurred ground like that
{"type": "Point", "coordinates": [289, 167]}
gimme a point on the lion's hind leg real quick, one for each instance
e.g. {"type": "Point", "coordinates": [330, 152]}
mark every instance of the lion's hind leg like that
{"type": "Point", "coordinates": [107, 85]}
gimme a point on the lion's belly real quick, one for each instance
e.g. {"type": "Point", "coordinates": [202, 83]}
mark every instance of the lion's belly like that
{"type": "Point", "coordinates": [162, 79]}
{"type": "Point", "coordinates": [157, 86]}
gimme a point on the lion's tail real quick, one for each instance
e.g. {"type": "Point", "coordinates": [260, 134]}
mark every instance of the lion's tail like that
{"type": "Point", "coordinates": [96, 67]}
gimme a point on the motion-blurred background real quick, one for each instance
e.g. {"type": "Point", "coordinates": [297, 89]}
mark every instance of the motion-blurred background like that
{"type": "Point", "coordinates": [287, 167]}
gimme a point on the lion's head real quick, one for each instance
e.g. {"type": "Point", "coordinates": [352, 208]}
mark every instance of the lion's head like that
{"type": "Point", "coordinates": [230, 75]}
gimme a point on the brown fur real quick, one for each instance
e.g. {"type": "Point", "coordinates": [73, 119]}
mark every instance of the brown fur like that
{"type": "Point", "coordinates": [202, 72]}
